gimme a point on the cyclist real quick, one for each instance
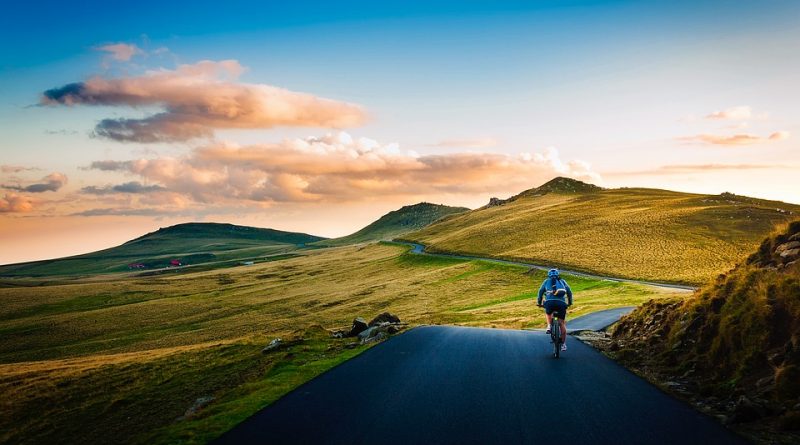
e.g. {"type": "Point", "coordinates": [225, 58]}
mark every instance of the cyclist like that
{"type": "Point", "coordinates": [554, 290]}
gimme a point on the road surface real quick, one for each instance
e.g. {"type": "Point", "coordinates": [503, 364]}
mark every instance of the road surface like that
{"type": "Point", "coordinates": [597, 321]}
{"type": "Point", "coordinates": [419, 249]}
{"type": "Point", "coordinates": [456, 385]}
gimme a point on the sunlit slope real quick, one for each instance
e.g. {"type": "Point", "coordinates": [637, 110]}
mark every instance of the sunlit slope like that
{"type": "Point", "coordinates": [109, 358]}
{"type": "Point", "coordinates": [631, 232]}
{"type": "Point", "coordinates": [191, 243]}
{"type": "Point", "coordinates": [397, 223]}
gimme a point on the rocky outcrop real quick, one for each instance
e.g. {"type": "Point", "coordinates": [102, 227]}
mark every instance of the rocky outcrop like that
{"type": "Point", "coordinates": [494, 202]}
{"type": "Point", "coordinates": [359, 325]}
{"type": "Point", "coordinates": [380, 327]}
{"type": "Point", "coordinates": [385, 317]}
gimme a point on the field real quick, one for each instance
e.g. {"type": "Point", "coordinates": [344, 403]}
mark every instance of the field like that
{"type": "Point", "coordinates": [122, 358]}
{"type": "Point", "coordinates": [646, 234]}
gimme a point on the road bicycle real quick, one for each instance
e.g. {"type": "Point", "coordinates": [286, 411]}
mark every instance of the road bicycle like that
{"type": "Point", "coordinates": [555, 333]}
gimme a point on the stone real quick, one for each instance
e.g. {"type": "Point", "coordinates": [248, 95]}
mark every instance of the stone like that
{"type": "Point", "coordinates": [385, 317]}
{"type": "Point", "coordinates": [788, 246]}
{"type": "Point", "coordinates": [791, 253]}
{"type": "Point", "coordinates": [199, 404]}
{"type": "Point", "coordinates": [367, 333]}
{"type": "Point", "coordinates": [273, 345]}
{"type": "Point", "coordinates": [746, 410]}
{"type": "Point", "coordinates": [359, 326]}
{"type": "Point", "coordinates": [377, 337]}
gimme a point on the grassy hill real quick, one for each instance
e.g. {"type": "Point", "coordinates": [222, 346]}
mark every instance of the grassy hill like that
{"type": "Point", "coordinates": [635, 233]}
{"type": "Point", "coordinates": [397, 223]}
{"type": "Point", "coordinates": [190, 244]}
{"type": "Point", "coordinates": [735, 344]}
{"type": "Point", "coordinates": [119, 359]}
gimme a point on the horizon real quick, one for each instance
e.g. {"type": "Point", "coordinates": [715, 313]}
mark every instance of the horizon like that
{"type": "Point", "coordinates": [359, 228]}
{"type": "Point", "coordinates": [320, 118]}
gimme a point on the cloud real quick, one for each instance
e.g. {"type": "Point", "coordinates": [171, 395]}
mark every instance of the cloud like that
{"type": "Point", "coordinates": [735, 139]}
{"type": "Point", "coordinates": [466, 143]}
{"type": "Point", "coordinates": [198, 99]}
{"type": "Point", "coordinates": [122, 52]}
{"type": "Point", "coordinates": [779, 136]}
{"type": "Point", "coordinates": [50, 183]}
{"type": "Point", "coordinates": [337, 168]}
{"type": "Point", "coordinates": [694, 168]}
{"type": "Point", "coordinates": [14, 203]}
{"type": "Point", "coordinates": [735, 113]}
{"type": "Point", "coordinates": [128, 187]}
{"type": "Point", "coordinates": [15, 168]}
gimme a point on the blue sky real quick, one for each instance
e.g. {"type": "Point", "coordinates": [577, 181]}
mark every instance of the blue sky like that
{"type": "Point", "coordinates": [618, 92]}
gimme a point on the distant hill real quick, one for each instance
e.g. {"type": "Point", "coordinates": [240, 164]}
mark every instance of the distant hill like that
{"type": "Point", "coordinates": [735, 343]}
{"type": "Point", "coordinates": [638, 233]}
{"type": "Point", "coordinates": [397, 223]}
{"type": "Point", "coordinates": [184, 244]}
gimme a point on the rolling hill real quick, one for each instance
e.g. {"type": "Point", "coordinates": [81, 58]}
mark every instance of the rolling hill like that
{"type": "Point", "coordinates": [638, 233]}
{"type": "Point", "coordinates": [187, 244]}
{"type": "Point", "coordinates": [397, 223]}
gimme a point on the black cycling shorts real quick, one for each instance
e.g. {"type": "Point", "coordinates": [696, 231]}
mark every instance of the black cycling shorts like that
{"type": "Point", "coordinates": [559, 306]}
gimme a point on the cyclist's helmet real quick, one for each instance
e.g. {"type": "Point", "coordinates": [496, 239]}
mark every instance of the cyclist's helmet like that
{"type": "Point", "coordinates": [552, 273]}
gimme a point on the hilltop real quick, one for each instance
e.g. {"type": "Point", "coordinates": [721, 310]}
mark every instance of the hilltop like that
{"type": "Point", "coordinates": [735, 344]}
{"type": "Point", "coordinates": [182, 244]}
{"type": "Point", "coordinates": [397, 223]}
{"type": "Point", "coordinates": [638, 233]}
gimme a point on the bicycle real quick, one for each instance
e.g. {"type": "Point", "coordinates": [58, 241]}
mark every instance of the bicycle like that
{"type": "Point", "coordinates": [555, 333]}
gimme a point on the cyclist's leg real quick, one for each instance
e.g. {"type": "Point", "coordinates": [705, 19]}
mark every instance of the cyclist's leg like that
{"type": "Point", "coordinates": [563, 323]}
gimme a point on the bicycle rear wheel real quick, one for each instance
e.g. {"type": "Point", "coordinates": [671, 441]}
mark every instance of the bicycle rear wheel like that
{"type": "Point", "coordinates": [556, 336]}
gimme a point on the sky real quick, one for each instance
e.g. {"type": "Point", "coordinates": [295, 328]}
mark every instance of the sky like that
{"type": "Point", "coordinates": [320, 117]}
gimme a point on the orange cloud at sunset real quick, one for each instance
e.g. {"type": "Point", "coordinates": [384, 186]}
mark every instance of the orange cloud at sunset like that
{"type": "Point", "coordinates": [734, 113]}
{"type": "Point", "coordinates": [337, 168]}
{"type": "Point", "coordinates": [13, 202]}
{"type": "Point", "coordinates": [736, 139]}
{"type": "Point", "coordinates": [198, 99]}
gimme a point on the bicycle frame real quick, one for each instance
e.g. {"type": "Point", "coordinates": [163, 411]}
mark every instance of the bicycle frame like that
{"type": "Point", "coordinates": [555, 334]}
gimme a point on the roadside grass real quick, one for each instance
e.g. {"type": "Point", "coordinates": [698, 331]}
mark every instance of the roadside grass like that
{"type": "Point", "coordinates": [120, 359]}
{"type": "Point", "coordinates": [643, 234]}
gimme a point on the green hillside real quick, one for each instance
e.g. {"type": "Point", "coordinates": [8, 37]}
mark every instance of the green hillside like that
{"type": "Point", "coordinates": [119, 359]}
{"type": "Point", "coordinates": [190, 244]}
{"type": "Point", "coordinates": [635, 233]}
{"type": "Point", "coordinates": [736, 342]}
{"type": "Point", "coordinates": [397, 223]}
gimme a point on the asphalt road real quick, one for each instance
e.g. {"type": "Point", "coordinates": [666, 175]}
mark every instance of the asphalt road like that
{"type": "Point", "coordinates": [597, 321]}
{"type": "Point", "coordinates": [419, 249]}
{"type": "Point", "coordinates": [455, 385]}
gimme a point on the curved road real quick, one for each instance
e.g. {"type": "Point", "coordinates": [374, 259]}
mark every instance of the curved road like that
{"type": "Point", "coordinates": [419, 249]}
{"type": "Point", "coordinates": [455, 385]}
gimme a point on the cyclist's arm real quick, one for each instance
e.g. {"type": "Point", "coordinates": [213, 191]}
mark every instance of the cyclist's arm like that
{"type": "Point", "coordinates": [542, 290]}
{"type": "Point", "coordinates": [569, 292]}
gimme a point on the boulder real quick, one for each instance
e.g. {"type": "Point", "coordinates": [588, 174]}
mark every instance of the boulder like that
{"type": "Point", "coordinates": [359, 326]}
{"type": "Point", "coordinates": [273, 345]}
{"type": "Point", "coordinates": [377, 337]}
{"type": "Point", "coordinates": [791, 253]}
{"type": "Point", "coordinates": [367, 333]}
{"type": "Point", "coordinates": [788, 246]}
{"type": "Point", "coordinates": [199, 404]}
{"type": "Point", "coordinates": [385, 317]}
{"type": "Point", "coordinates": [746, 410]}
